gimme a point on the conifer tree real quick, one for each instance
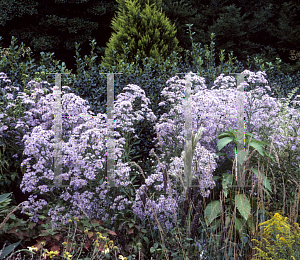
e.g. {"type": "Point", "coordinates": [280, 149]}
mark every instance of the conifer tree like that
{"type": "Point", "coordinates": [146, 31]}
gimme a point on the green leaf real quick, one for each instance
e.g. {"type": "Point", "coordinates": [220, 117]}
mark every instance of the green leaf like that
{"type": "Point", "coordinates": [224, 141]}
{"type": "Point", "coordinates": [250, 225]}
{"type": "Point", "coordinates": [130, 225]}
{"type": "Point", "coordinates": [227, 179]}
{"type": "Point", "coordinates": [222, 135]}
{"type": "Point", "coordinates": [147, 240]}
{"type": "Point", "coordinates": [263, 179]}
{"type": "Point", "coordinates": [238, 226]}
{"type": "Point", "coordinates": [137, 156]}
{"type": "Point", "coordinates": [212, 211]}
{"type": "Point", "coordinates": [215, 226]}
{"type": "Point", "coordinates": [266, 192]}
{"type": "Point", "coordinates": [9, 249]}
{"type": "Point", "coordinates": [196, 138]}
{"type": "Point", "coordinates": [3, 197]}
{"type": "Point", "coordinates": [243, 205]}
{"type": "Point", "coordinates": [258, 146]}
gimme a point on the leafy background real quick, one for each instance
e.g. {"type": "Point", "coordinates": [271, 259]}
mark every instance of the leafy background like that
{"type": "Point", "coordinates": [263, 30]}
{"type": "Point", "coordinates": [254, 28]}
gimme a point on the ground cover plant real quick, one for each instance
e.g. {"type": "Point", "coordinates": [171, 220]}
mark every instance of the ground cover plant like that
{"type": "Point", "coordinates": [159, 219]}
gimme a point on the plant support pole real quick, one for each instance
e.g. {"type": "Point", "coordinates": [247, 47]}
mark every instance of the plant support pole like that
{"type": "Point", "coordinates": [188, 158]}
{"type": "Point", "coordinates": [188, 133]}
{"type": "Point", "coordinates": [110, 129]}
{"type": "Point", "coordinates": [241, 150]}
{"type": "Point", "coordinates": [240, 126]}
{"type": "Point", "coordinates": [58, 132]}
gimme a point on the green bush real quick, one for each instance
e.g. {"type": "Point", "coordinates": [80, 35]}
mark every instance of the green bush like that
{"type": "Point", "coordinates": [140, 28]}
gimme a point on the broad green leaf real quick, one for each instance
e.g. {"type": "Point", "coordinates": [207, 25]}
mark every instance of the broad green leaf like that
{"type": "Point", "coordinates": [9, 249]}
{"type": "Point", "coordinates": [222, 135]}
{"type": "Point", "coordinates": [224, 141]}
{"type": "Point", "coordinates": [212, 211]}
{"type": "Point", "coordinates": [258, 146]}
{"type": "Point", "coordinates": [243, 205]}
{"type": "Point", "coordinates": [238, 225]}
{"type": "Point", "coordinates": [227, 179]}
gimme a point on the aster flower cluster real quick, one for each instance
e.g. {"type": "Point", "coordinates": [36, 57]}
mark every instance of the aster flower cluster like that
{"type": "Point", "coordinates": [84, 145]}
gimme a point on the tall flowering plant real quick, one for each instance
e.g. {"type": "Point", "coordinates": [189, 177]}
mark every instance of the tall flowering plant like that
{"type": "Point", "coordinates": [216, 116]}
{"type": "Point", "coordinates": [211, 112]}
{"type": "Point", "coordinates": [84, 151]}
{"type": "Point", "coordinates": [11, 110]}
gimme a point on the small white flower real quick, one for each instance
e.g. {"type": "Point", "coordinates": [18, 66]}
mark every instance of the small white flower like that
{"type": "Point", "coordinates": [32, 248]}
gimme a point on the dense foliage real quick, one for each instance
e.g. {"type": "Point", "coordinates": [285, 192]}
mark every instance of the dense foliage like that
{"type": "Point", "coordinates": [262, 29]}
{"type": "Point", "coordinates": [90, 85]}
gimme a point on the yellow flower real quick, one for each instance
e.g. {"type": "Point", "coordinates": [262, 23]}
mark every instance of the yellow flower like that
{"type": "Point", "coordinates": [86, 231]}
{"type": "Point", "coordinates": [51, 254]}
{"type": "Point", "coordinates": [76, 219]}
{"type": "Point", "coordinates": [110, 243]}
{"type": "Point", "coordinates": [106, 251]}
{"type": "Point", "coordinates": [67, 255]}
{"type": "Point", "coordinates": [122, 257]}
{"type": "Point", "coordinates": [42, 243]}
{"type": "Point", "coordinates": [31, 248]}
{"type": "Point", "coordinates": [64, 243]}
{"type": "Point", "coordinates": [115, 248]}
{"type": "Point", "coordinates": [45, 254]}
{"type": "Point", "coordinates": [101, 237]}
{"type": "Point", "coordinates": [70, 220]}
{"type": "Point", "coordinates": [282, 239]}
{"type": "Point", "coordinates": [277, 222]}
{"type": "Point", "coordinates": [106, 246]}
